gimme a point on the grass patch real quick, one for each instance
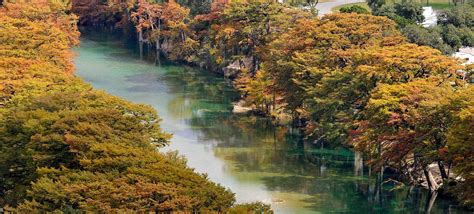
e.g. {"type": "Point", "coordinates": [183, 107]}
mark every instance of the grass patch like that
{"type": "Point", "coordinates": [436, 4]}
{"type": "Point", "coordinates": [440, 6]}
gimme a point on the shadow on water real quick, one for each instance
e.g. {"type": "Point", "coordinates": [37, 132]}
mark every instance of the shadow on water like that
{"type": "Point", "coordinates": [248, 154]}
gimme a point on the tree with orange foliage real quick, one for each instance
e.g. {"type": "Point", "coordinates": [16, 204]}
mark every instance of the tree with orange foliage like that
{"type": "Point", "coordinates": [405, 127]}
{"type": "Point", "coordinates": [164, 26]}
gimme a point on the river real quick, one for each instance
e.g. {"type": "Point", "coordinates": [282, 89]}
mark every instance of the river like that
{"type": "Point", "coordinates": [255, 159]}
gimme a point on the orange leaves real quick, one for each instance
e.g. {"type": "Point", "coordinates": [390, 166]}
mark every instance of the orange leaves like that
{"type": "Point", "coordinates": [336, 63]}
{"type": "Point", "coordinates": [28, 48]}
{"type": "Point", "coordinates": [44, 11]}
{"type": "Point", "coordinates": [34, 40]}
{"type": "Point", "coordinates": [394, 119]}
{"type": "Point", "coordinates": [158, 21]}
{"type": "Point", "coordinates": [146, 16]}
{"type": "Point", "coordinates": [173, 12]}
{"type": "Point", "coordinates": [340, 35]}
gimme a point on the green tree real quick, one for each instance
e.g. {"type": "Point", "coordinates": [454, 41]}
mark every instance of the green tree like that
{"type": "Point", "coordinates": [375, 5]}
{"type": "Point", "coordinates": [410, 10]}
{"type": "Point", "coordinates": [428, 37]}
{"type": "Point", "coordinates": [246, 27]}
{"type": "Point", "coordinates": [462, 16]}
{"type": "Point", "coordinates": [354, 9]}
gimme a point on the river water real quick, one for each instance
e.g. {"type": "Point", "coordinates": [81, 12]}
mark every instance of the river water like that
{"type": "Point", "coordinates": [255, 159]}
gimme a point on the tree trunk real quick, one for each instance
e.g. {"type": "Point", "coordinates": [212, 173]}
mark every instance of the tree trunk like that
{"type": "Point", "coordinates": [140, 36]}
{"type": "Point", "coordinates": [158, 43]}
{"type": "Point", "coordinates": [430, 180]}
{"type": "Point", "coordinates": [358, 164]}
{"type": "Point", "coordinates": [141, 50]}
{"type": "Point", "coordinates": [442, 170]}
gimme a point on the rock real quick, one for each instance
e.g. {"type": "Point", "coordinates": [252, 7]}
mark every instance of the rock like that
{"type": "Point", "coordinates": [466, 54]}
{"type": "Point", "coordinates": [240, 108]}
{"type": "Point", "coordinates": [234, 68]}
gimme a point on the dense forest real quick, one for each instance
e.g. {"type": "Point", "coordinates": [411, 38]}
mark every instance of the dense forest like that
{"type": "Point", "coordinates": [374, 80]}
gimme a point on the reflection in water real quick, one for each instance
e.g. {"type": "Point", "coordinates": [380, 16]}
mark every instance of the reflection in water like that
{"type": "Point", "coordinates": [257, 160]}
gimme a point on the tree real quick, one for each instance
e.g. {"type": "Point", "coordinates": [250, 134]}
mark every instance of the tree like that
{"type": "Point", "coordinates": [164, 26]}
{"type": "Point", "coordinates": [462, 16]}
{"type": "Point", "coordinates": [457, 37]}
{"type": "Point", "coordinates": [406, 126]}
{"type": "Point", "coordinates": [460, 143]}
{"type": "Point", "coordinates": [410, 10]}
{"type": "Point", "coordinates": [428, 37]}
{"type": "Point", "coordinates": [257, 89]}
{"type": "Point", "coordinates": [246, 27]}
{"type": "Point", "coordinates": [454, 28]}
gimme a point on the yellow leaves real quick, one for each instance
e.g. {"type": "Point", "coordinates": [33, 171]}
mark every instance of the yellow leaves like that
{"type": "Point", "coordinates": [52, 12]}
{"type": "Point", "coordinates": [34, 40]}
{"type": "Point", "coordinates": [460, 142]}
{"type": "Point", "coordinates": [219, 60]}
{"type": "Point", "coordinates": [229, 32]}
{"type": "Point", "coordinates": [360, 29]}
{"type": "Point", "coordinates": [403, 62]}
{"type": "Point", "coordinates": [186, 50]}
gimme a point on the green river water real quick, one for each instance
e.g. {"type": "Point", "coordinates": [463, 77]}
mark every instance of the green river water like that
{"type": "Point", "coordinates": [249, 155]}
